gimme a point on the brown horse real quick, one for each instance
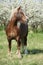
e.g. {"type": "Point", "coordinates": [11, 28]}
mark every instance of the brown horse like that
{"type": "Point", "coordinates": [17, 29]}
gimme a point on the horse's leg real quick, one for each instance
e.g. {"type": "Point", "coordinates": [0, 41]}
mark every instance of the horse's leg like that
{"type": "Point", "coordinates": [9, 46]}
{"type": "Point", "coordinates": [25, 45]}
{"type": "Point", "coordinates": [18, 46]}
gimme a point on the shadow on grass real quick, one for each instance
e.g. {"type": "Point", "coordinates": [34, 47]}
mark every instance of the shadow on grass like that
{"type": "Point", "coordinates": [35, 51]}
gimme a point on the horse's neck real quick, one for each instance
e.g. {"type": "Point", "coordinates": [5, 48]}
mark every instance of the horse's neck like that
{"type": "Point", "coordinates": [11, 23]}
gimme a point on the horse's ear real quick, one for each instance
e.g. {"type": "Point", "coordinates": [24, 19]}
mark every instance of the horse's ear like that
{"type": "Point", "coordinates": [19, 8]}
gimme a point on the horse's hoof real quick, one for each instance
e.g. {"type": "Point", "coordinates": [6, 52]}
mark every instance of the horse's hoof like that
{"type": "Point", "coordinates": [9, 54]}
{"type": "Point", "coordinates": [26, 52]}
{"type": "Point", "coordinates": [19, 56]}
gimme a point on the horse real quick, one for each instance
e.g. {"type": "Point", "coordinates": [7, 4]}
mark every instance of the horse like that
{"type": "Point", "coordinates": [17, 29]}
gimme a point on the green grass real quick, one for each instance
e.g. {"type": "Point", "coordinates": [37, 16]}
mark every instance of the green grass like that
{"type": "Point", "coordinates": [34, 45]}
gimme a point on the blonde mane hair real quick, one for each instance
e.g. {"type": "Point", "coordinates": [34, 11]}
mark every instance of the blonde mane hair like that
{"type": "Point", "coordinates": [13, 11]}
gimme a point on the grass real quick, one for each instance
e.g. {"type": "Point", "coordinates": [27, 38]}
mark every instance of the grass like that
{"type": "Point", "coordinates": [34, 45]}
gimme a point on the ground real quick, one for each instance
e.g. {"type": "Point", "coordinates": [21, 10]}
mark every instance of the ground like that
{"type": "Point", "coordinates": [34, 45]}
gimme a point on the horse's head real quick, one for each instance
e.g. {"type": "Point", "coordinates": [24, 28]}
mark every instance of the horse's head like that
{"type": "Point", "coordinates": [19, 15]}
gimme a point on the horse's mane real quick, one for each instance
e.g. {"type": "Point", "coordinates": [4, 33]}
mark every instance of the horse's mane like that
{"type": "Point", "coordinates": [13, 11]}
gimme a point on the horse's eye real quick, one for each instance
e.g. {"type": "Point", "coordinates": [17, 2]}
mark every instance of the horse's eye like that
{"type": "Point", "coordinates": [22, 13]}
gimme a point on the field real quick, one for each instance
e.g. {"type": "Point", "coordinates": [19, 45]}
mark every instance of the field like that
{"type": "Point", "coordinates": [34, 45]}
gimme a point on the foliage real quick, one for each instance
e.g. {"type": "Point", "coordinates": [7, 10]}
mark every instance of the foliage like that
{"type": "Point", "coordinates": [32, 8]}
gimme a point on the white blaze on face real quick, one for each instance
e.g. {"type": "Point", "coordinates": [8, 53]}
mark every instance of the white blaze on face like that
{"type": "Point", "coordinates": [18, 24]}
